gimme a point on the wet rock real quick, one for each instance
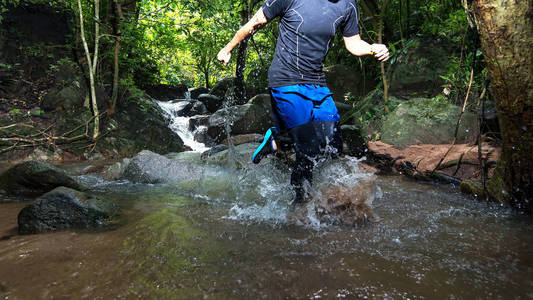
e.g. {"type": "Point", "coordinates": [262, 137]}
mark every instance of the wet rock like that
{"type": "Point", "coordinates": [262, 100]}
{"type": "Point", "coordinates": [201, 136]}
{"type": "Point", "coordinates": [222, 87]}
{"type": "Point", "coordinates": [114, 171]}
{"type": "Point", "coordinates": [211, 102]}
{"type": "Point", "coordinates": [241, 155]}
{"type": "Point", "coordinates": [354, 142]}
{"type": "Point", "coordinates": [196, 92]}
{"type": "Point", "coordinates": [244, 138]}
{"type": "Point", "coordinates": [214, 150]}
{"type": "Point", "coordinates": [241, 119]}
{"type": "Point", "coordinates": [197, 121]}
{"type": "Point", "coordinates": [149, 167]}
{"type": "Point", "coordinates": [427, 121]}
{"type": "Point", "coordinates": [190, 108]}
{"type": "Point", "coordinates": [64, 208]}
{"type": "Point", "coordinates": [33, 178]}
{"type": "Point", "coordinates": [163, 92]}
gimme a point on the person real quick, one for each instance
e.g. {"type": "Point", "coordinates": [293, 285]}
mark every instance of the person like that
{"type": "Point", "coordinates": [302, 104]}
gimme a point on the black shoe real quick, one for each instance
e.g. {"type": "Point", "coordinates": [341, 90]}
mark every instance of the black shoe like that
{"type": "Point", "coordinates": [266, 146]}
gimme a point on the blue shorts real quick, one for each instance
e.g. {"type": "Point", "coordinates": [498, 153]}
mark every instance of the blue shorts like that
{"type": "Point", "coordinates": [296, 105]}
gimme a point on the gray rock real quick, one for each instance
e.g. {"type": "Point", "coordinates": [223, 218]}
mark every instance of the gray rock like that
{"type": "Point", "coordinates": [196, 92]}
{"type": "Point", "coordinates": [64, 208]}
{"type": "Point", "coordinates": [354, 142]}
{"type": "Point", "coordinates": [241, 155]}
{"type": "Point", "coordinates": [34, 178]}
{"type": "Point", "coordinates": [149, 167]}
{"type": "Point", "coordinates": [244, 139]}
{"type": "Point", "coordinates": [242, 119]}
{"type": "Point", "coordinates": [190, 108]}
{"type": "Point", "coordinates": [69, 97]}
{"type": "Point", "coordinates": [197, 121]}
{"type": "Point", "coordinates": [427, 121]}
{"type": "Point", "coordinates": [222, 87]}
{"type": "Point", "coordinates": [214, 150]}
{"type": "Point", "coordinates": [211, 102]}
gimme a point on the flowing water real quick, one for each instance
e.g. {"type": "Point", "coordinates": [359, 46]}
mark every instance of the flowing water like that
{"type": "Point", "coordinates": [226, 236]}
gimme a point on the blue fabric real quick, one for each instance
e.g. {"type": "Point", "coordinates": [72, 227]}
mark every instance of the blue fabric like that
{"type": "Point", "coordinates": [306, 30]}
{"type": "Point", "coordinates": [296, 105]}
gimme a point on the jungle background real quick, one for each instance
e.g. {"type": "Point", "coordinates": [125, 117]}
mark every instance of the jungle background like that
{"type": "Point", "coordinates": [78, 80]}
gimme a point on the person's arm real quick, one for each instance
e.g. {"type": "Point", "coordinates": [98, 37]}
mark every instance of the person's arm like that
{"type": "Point", "coordinates": [358, 47]}
{"type": "Point", "coordinates": [256, 22]}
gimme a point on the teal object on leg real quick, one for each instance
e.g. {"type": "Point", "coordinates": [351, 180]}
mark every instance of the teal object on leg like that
{"type": "Point", "coordinates": [266, 146]}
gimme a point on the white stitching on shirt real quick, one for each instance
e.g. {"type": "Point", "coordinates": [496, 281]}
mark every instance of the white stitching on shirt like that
{"type": "Point", "coordinates": [270, 4]}
{"type": "Point", "coordinates": [297, 46]}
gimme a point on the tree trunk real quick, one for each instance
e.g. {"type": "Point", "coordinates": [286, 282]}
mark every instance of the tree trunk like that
{"type": "Point", "coordinates": [118, 38]}
{"type": "Point", "coordinates": [506, 32]}
{"type": "Point", "coordinates": [91, 64]}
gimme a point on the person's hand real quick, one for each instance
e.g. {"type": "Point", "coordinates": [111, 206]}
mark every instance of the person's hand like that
{"type": "Point", "coordinates": [224, 56]}
{"type": "Point", "coordinates": [380, 52]}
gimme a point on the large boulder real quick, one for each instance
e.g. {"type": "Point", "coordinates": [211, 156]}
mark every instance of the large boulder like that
{"type": "Point", "coordinates": [427, 121]}
{"type": "Point", "coordinates": [212, 102]}
{"type": "Point", "coordinates": [71, 96]}
{"type": "Point", "coordinates": [241, 119]}
{"type": "Point", "coordinates": [190, 108]}
{"type": "Point", "coordinates": [241, 155]}
{"type": "Point", "coordinates": [141, 124]}
{"type": "Point", "coordinates": [163, 92]}
{"type": "Point", "coordinates": [196, 92]}
{"type": "Point", "coordinates": [149, 167]}
{"type": "Point", "coordinates": [222, 87]}
{"type": "Point", "coordinates": [354, 143]}
{"type": "Point", "coordinates": [34, 178]}
{"type": "Point", "coordinates": [342, 80]}
{"type": "Point", "coordinates": [64, 208]}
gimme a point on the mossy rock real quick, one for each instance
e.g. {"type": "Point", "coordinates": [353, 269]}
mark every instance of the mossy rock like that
{"type": "Point", "coordinates": [427, 121]}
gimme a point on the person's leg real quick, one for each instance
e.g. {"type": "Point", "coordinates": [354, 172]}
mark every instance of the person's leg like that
{"type": "Point", "coordinates": [312, 141]}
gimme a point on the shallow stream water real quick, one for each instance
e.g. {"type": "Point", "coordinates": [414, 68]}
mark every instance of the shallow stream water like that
{"type": "Point", "coordinates": [225, 236]}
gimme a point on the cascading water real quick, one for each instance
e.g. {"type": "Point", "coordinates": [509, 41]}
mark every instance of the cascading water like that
{"type": "Point", "coordinates": [180, 124]}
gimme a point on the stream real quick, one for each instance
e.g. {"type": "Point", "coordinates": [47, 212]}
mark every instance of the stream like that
{"type": "Point", "coordinates": [228, 235]}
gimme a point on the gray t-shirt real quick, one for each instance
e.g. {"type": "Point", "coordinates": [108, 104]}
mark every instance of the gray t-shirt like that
{"type": "Point", "coordinates": [306, 29]}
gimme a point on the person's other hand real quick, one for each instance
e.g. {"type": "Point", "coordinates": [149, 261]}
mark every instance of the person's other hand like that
{"type": "Point", "coordinates": [381, 52]}
{"type": "Point", "coordinates": [224, 56]}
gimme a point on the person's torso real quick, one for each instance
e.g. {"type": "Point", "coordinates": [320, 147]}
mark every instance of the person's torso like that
{"type": "Point", "coordinates": [305, 32]}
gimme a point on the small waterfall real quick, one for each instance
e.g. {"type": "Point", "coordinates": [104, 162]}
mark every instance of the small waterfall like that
{"type": "Point", "coordinates": [180, 125]}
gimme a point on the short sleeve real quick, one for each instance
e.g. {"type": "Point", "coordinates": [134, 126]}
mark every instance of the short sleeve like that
{"type": "Point", "coordinates": [275, 8]}
{"type": "Point", "coordinates": [351, 20]}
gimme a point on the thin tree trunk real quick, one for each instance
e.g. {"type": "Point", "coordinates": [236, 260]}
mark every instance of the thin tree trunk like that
{"type": "Point", "coordinates": [506, 33]}
{"type": "Point", "coordinates": [118, 39]}
{"type": "Point", "coordinates": [91, 65]}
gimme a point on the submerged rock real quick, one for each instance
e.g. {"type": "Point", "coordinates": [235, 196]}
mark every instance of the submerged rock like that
{"type": "Point", "coordinates": [64, 208]}
{"type": "Point", "coordinates": [34, 178]}
{"type": "Point", "coordinates": [149, 167]}
{"type": "Point", "coordinates": [241, 155]}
